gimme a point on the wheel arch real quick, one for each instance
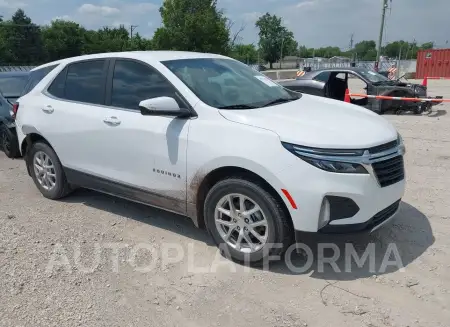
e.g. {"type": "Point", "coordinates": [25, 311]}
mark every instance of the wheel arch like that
{"type": "Point", "coordinates": [201, 186]}
{"type": "Point", "coordinates": [31, 138]}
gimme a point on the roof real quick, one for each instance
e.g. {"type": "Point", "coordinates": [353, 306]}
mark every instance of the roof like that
{"type": "Point", "coordinates": [340, 69]}
{"type": "Point", "coordinates": [139, 55]}
{"type": "Point", "coordinates": [337, 69]}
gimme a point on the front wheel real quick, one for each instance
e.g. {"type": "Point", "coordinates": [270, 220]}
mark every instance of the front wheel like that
{"type": "Point", "coordinates": [247, 222]}
{"type": "Point", "coordinates": [418, 109]}
{"type": "Point", "coordinates": [9, 142]}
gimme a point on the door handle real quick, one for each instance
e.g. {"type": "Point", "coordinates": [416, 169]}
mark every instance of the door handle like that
{"type": "Point", "coordinates": [48, 109]}
{"type": "Point", "coordinates": [112, 121]}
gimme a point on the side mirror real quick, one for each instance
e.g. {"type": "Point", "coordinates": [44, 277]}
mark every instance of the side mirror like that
{"type": "Point", "coordinates": [163, 106]}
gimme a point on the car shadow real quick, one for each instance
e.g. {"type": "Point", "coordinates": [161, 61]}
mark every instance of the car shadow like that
{"type": "Point", "coordinates": [437, 113]}
{"type": "Point", "coordinates": [408, 236]}
{"type": "Point", "coordinates": [139, 212]}
{"type": "Point", "coordinates": [391, 248]}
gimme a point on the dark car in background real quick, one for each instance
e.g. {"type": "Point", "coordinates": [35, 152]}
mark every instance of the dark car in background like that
{"type": "Point", "coordinates": [332, 83]}
{"type": "Point", "coordinates": [8, 137]}
{"type": "Point", "coordinates": [12, 85]}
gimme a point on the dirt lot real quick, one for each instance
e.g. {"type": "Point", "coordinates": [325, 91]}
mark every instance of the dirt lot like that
{"type": "Point", "coordinates": [84, 291]}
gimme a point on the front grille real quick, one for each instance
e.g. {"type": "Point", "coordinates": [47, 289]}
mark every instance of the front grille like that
{"type": "Point", "coordinates": [389, 171]}
{"type": "Point", "coordinates": [384, 214]}
{"type": "Point", "coordinates": [383, 147]}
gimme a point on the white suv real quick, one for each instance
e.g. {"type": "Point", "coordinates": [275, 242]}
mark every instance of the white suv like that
{"type": "Point", "coordinates": [208, 137]}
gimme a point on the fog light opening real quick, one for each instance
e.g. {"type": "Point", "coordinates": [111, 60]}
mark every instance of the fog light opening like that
{"type": "Point", "coordinates": [324, 216]}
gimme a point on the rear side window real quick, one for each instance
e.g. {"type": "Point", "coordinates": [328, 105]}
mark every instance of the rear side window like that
{"type": "Point", "coordinates": [82, 81]}
{"type": "Point", "coordinates": [57, 86]}
{"type": "Point", "coordinates": [36, 76]}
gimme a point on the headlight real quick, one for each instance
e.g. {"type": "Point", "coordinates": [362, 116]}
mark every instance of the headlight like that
{"type": "Point", "coordinates": [331, 160]}
{"type": "Point", "coordinates": [336, 166]}
{"type": "Point", "coordinates": [401, 144]}
{"type": "Point", "coordinates": [420, 91]}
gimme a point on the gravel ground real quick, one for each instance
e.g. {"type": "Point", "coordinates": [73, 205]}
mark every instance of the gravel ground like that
{"type": "Point", "coordinates": [58, 268]}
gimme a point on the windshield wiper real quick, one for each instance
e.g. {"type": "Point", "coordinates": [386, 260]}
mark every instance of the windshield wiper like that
{"type": "Point", "coordinates": [238, 106]}
{"type": "Point", "coordinates": [279, 100]}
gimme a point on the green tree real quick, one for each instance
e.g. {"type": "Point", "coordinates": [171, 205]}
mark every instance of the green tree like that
{"type": "Point", "coordinates": [291, 47]}
{"type": "Point", "coordinates": [194, 25]}
{"type": "Point", "coordinates": [246, 53]}
{"type": "Point", "coordinates": [139, 43]}
{"type": "Point", "coordinates": [303, 52]}
{"type": "Point", "coordinates": [106, 40]}
{"type": "Point", "coordinates": [63, 39]}
{"type": "Point", "coordinates": [366, 50]}
{"type": "Point", "coordinates": [274, 38]}
{"type": "Point", "coordinates": [427, 46]}
{"type": "Point", "coordinates": [21, 40]}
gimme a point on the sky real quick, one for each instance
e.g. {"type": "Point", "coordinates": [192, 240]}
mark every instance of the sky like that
{"type": "Point", "coordinates": [314, 23]}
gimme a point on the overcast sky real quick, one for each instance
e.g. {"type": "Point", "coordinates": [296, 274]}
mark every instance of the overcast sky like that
{"type": "Point", "coordinates": [314, 22]}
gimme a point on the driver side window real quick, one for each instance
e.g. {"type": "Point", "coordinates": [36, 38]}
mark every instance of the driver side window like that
{"type": "Point", "coordinates": [322, 77]}
{"type": "Point", "coordinates": [133, 82]}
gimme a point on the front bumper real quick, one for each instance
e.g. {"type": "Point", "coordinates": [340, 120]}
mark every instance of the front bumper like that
{"type": "Point", "coordinates": [376, 202]}
{"type": "Point", "coordinates": [370, 225]}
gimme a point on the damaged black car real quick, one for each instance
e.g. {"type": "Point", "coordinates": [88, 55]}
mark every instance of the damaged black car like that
{"type": "Point", "coordinates": [333, 83]}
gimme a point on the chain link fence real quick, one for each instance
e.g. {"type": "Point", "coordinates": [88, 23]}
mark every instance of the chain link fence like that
{"type": "Point", "coordinates": [4, 69]}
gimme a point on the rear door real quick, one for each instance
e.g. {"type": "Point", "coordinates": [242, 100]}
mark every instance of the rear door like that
{"type": "Point", "coordinates": [72, 114]}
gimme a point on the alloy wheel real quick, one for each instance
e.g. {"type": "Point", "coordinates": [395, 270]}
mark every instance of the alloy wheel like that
{"type": "Point", "coordinates": [241, 223]}
{"type": "Point", "coordinates": [44, 170]}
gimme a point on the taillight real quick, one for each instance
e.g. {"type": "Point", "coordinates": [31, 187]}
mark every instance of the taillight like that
{"type": "Point", "coordinates": [15, 109]}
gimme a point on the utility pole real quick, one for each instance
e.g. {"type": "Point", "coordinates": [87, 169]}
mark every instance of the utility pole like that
{"type": "Point", "coordinates": [259, 49]}
{"type": "Point", "coordinates": [380, 39]}
{"type": "Point", "coordinates": [351, 48]}
{"type": "Point", "coordinates": [132, 28]}
{"type": "Point", "coordinates": [281, 55]}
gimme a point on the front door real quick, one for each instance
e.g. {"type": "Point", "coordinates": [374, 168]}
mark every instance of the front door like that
{"type": "Point", "coordinates": [147, 153]}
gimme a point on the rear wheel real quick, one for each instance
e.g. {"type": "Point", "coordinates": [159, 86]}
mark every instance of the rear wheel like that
{"type": "Point", "coordinates": [9, 142]}
{"type": "Point", "coordinates": [246, 221]}
{"type": "Point", "coordinates": [47, 171]}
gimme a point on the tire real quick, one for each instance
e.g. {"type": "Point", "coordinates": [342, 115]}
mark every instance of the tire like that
{"type": "Point", "coordinates": [279, 228]}
{"type": "Point", "coordinates": [9, 142]}
{"type": "Point", "coordinates": [418, 110]}
{"type": "Point", "coordinates": [61, 187]}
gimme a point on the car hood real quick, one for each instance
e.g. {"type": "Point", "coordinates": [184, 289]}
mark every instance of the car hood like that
{"type": "Point", "coordinates": [319, 122]}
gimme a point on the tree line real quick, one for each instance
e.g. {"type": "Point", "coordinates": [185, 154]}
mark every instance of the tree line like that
{"type": "Point", "coordinates": [194, 25]}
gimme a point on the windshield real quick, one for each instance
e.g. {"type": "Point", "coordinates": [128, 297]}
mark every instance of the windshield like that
{"type": "Point", "coordinates": [374, 77]}
{"type": "Point", "coordinates": [229, 84]}
{"type": "Point", "coordinates": [12, 86]}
